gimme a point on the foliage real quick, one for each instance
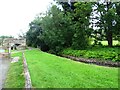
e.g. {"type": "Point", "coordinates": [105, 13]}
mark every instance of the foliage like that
{"type": "Point", "coordinates": [50, 71]}
{"type": "Point", "coordinates": [117, 32]}
{"type": "Point", "coordinates": [57, 30]}
{"type": "Point", "coordinates": [33, 33]}
{"type": "Point", "coordinates": [70, 26]}
{"type": "Point", "coordinates": [82, 13]}
{"type": "Point", "coordinates": [6, 36]}
{"type": "Point", "coordinates": [22, 34]}
{"type": "Point", "coordinates": [107, 21]}
{"type": "Point", "coordinates": [103, 53]}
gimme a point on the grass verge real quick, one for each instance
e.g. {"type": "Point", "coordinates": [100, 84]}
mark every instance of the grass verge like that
{"type": "Point", "coordinates": [15, 76]}
{"type": "Point", "coordinates": [50, 71]}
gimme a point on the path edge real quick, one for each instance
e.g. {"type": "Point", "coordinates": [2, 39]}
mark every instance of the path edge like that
{"type": "Point", "coordinates": [28, 83]}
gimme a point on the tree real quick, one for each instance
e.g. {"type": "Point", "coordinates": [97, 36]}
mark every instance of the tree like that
{"type": "Point", "coordinates": [33, 33]}
{"type": "Point", "coordinates": [54, 31]}
{"type": "Point", "coordinates": [57, 29]}
{"type": "Point", "coordinates": [106, 20]}
{"type": "Point", "coordinates": [22, 34]}
{"type": "Point", "coordinates": [80, 15]}
{"type": "Point", "coordinates": [81, 19]}
{"type": "Point", "coordinates": [118, 21]}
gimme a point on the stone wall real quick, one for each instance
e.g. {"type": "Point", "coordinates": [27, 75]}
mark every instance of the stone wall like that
{"type": "Point", "coordinates": [14, 43]}
{"type": "Point", "coordinates": [28, 83]}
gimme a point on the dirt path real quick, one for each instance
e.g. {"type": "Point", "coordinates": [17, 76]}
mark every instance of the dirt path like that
{"type": "Point", "coordinates": [4, 65]}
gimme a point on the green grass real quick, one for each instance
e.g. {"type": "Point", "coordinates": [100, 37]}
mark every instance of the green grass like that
{"type": "Point", "coordinates": [50, 71]}
{"type": "Point", "coordinates": [15, 76]}
{"type": "Point", "coordinates": [11, 50]}
{"type": "Point", "coordinates": [115, 42]}
{"type": "Point", "coordinates": [101, 53]}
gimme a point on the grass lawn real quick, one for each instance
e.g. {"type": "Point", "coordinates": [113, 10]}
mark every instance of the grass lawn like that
{"type": "Point", "coordinates": [115, 42]}
{"type": "Point", "coordinates": [15, 76]}
{"type": "Point", "coordinates": [50, 71]}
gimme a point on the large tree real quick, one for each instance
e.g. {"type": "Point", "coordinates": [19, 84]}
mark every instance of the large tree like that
{"type": "Point", "coordinates": [57, 29]}
{"type": "Point", "coordinates": [106, 20]}
{"type": "Point", "coordinates": [81, 18]}
{"type": "Point", "coordinates": [118, 21]}
{"type": "Point", "coordinates": [80, 15]}
{"type": "Point", "coordinates": [34, 31]}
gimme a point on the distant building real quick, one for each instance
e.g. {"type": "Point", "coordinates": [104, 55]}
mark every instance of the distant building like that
{"type": "Point", "coordinates": [15, 44]}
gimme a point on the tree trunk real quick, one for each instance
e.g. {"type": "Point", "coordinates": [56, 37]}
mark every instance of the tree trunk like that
{"type": "Point", "coordinates": [109, 38]}
{"type": "Point", "coordinates": [109, 32]}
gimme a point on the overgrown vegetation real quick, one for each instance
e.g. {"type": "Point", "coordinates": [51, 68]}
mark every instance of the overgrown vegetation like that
{"type": "Point", "coordinates": [50, 71]}
{"type": "Point", "coordinates": [15, 75]}
{"type": "Point", "coordinates": [103, 53]}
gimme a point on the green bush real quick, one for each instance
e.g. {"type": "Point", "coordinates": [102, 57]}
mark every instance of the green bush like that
{"type": "Point", "coordinates": [104, 53]}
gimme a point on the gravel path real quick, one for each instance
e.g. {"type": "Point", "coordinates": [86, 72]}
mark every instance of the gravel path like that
{"type": "Point", "coordinates": [4, 65]}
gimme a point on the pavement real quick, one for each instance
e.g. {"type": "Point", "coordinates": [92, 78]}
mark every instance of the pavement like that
{"type": "Point", "coordinates": [4, 65]}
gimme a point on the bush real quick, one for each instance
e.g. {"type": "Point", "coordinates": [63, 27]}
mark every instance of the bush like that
{"type": "Point", "coordinates": [104, 53]}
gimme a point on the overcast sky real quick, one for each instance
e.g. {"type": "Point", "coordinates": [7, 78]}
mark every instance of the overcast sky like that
{"type": "Point", "coordinates": [15, 15]}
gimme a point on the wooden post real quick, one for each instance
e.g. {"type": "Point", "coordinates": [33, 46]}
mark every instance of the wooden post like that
{"type": "Point", "coordinates": [9, 50]}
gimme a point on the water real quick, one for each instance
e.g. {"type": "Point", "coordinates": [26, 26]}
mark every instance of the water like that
{"type": "Point", "coordinates": [4, 65]}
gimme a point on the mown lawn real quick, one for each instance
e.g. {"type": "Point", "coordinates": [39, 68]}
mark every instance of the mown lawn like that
{"type": "Point", "coordinates": [115, 42]}
{"type": "Point", "coordinates": [15, 76]}
{"type": "Point", "coordinates": [50, 71]}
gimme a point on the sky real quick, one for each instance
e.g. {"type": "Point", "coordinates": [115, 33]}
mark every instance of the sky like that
{"type": "Point", "coordinates": [15, 15]}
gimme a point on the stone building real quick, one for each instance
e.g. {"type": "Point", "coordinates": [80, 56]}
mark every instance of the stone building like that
{"type": "Point", "coordinates": [15, 44]}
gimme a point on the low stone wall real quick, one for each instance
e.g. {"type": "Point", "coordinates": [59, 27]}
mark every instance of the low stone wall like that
{"type": "Point", "coordinates": [93, 61]}
{"type": "Point", "coordinates": [28, 84]}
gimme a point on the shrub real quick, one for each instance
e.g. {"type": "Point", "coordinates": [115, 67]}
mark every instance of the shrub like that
{"type": "Point", "coordinates": [104, 53]}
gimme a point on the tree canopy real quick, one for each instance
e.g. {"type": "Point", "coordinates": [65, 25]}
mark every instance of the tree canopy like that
{"type": "Point", "coordinates": [74, 25]}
